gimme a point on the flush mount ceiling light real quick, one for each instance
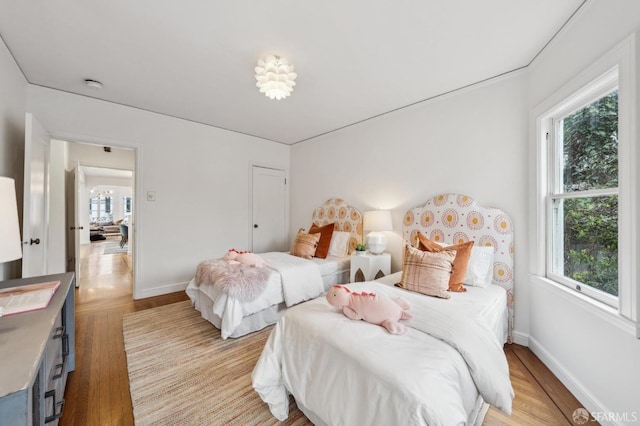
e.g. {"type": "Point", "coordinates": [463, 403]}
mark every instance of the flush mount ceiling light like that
{"type": "Point", "coordinates": [275, 77]}
{"type": "Point", "coordinates": [94, 84]}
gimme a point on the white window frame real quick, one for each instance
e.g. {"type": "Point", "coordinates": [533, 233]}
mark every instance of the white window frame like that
{"type": "Point", "coordinates": [599, 88]}
{"type": "Point", "coordinates": [589, 85]}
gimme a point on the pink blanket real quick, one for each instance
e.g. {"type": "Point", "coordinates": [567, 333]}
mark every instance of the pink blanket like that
{"type": "Point", "coordinates": [242, 282]}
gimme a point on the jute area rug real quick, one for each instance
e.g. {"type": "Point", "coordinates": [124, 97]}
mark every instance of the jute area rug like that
{"type": "Point", "coordinates": [182, 373]}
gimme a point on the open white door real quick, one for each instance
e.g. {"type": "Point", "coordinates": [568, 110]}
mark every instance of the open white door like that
{"type": "Point", "coordinates": [269, 205]}
{"type": "Point", "coordinates": [73, 221]}
{"type": "Point", "coordinates": [35, 216]}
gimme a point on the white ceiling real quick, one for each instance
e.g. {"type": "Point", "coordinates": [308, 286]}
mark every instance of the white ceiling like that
{"type": "Point", "coordinates": [355, 59]}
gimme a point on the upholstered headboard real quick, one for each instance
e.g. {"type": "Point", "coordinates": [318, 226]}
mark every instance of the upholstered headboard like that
{"type": "Point", "coordinates": [454, 218]}
{"type": "Point", "coordinates": [346, 218]}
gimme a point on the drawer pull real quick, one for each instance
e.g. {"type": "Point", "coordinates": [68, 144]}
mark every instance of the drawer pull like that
{"type": "Point", "coordinates": [65, 345]}
{"type": "Point", "coordinates": [59, 332]}
{"type": "Point", "coordinates": [61, 367]}
{"type": "Point", "coordinates": [54, 416]}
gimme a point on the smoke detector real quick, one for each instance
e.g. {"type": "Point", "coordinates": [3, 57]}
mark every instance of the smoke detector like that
{"type": "Point", "coordinates": [93, 84]}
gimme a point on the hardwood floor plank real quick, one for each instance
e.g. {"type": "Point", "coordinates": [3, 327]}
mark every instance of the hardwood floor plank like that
{"type": "Point", "coordinates": [97, 392]}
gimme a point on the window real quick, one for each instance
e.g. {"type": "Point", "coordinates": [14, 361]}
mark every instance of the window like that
{"type": "Point", "coordinates": [100, 209]}
{"type": "Point", "coordinates": [126, 203]}
{"type": "Point", "coordinates": [582, 193]}
{"type": "Point", "coordinates": [585, 226]}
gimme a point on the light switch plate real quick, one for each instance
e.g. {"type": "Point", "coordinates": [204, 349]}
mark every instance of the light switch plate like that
{"type": "Point", "coordinates": [151, 195]}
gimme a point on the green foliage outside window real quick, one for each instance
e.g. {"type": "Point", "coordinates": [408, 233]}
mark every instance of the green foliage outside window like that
{"type": "Point", "coordinates": [590, 147]}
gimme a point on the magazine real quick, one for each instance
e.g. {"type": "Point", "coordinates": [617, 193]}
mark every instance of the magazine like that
{"type": "Point", "coordinates": [31, 297]}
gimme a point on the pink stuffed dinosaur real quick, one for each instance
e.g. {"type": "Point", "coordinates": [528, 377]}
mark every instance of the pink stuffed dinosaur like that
{"type": "Point", "coordinates": [244, 257]}
{"type": "Point", "coordinates": [373, 308]}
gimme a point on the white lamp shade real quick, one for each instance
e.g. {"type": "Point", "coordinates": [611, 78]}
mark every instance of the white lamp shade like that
{"type": "Point", "coordinates": [377, 221]}
{"type": "Point", "coordinates": [10, 243]}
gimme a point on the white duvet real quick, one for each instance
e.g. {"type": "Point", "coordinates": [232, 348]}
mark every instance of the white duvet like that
{"type": "Point", "coordinates": [352, 372]}
{"type": "Point", "coordinates": [293, 280]}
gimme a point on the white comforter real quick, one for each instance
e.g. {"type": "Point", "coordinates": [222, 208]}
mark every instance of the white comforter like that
{"type": "Point", "coordinates": [352, 372]}
{"type": "Point", "coordinates": [303, 280]}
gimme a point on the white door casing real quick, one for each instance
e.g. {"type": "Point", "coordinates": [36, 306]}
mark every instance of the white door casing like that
{"type": "Point", "coordinates": [269, 210]}
{"type": "Point", "coordinates": [35, 217]}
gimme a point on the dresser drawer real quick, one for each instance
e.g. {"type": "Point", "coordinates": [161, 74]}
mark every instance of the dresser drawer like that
{"type": "Point", "coordinates": [55, 372]}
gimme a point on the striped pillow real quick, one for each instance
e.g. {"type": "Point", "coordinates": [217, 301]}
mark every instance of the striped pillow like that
{"type": "Point", "coordinates": [305, 245]}
{"type": "Point", "coordinates": [426, 272]}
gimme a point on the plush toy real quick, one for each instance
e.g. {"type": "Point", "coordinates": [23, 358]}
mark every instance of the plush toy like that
{"type": "Point", "coordinates": [244, 257]}
{"type": "Point", "coordinates": [373, 308]}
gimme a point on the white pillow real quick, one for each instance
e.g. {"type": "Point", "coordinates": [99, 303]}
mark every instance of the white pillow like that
{"type": "Point", "coordinates": [339, 245]}
{"type": "Point", "coordinates": [480, 269]}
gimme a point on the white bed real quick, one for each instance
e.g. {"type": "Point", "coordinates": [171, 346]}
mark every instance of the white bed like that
{"type": "Point", "coordinates": [440, 372]}
{"type": "Point", "coordinates": [235, 318]}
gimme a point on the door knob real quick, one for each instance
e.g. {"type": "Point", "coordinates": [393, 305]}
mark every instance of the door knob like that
{"type": "Point", "coordinates": [36, 241]}
{"type": "Point", "coordinates": [76, 227]}
{"type": "Point", "coordinates": [255, 225]}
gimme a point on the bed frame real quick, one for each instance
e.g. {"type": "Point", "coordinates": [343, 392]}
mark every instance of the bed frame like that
{"type": "Point", "coordinates": [456, 218]}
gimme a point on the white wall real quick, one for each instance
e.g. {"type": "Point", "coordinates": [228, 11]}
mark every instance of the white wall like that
{"type": "Point", "coordinates": [13, 87]}
{"type": "Point", "coordinates": [200, 175]}
{"type": "Point", "coordinates": [598, 361]}
{"type": "Point", "coordinates": [473, 142]}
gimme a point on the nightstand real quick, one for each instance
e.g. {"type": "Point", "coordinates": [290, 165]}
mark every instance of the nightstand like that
{"type": "Point", "coordinates": [369, 267]}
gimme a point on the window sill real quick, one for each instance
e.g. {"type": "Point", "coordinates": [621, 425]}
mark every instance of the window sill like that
{"type": "Point", "coordinates": [606, 312]}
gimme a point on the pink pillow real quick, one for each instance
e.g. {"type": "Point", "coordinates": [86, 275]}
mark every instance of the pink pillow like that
{"type": "Point", "coordinates": [427, 272]}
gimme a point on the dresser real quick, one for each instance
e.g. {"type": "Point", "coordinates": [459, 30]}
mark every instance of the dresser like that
{"type": "Point", "coordinates": [37, 350]}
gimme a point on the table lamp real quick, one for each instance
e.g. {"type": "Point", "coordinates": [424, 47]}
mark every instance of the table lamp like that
{"type": "Point", "coordinates": [377, 221]}
{"type": "Point", "coordinates": [10, 243]}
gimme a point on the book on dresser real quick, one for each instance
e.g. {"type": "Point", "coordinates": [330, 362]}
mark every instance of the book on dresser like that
{"type": "Point", "coordinates": [31, 297]}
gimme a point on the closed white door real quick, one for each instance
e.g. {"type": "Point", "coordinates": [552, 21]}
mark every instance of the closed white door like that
{"type": "Point", "coordinates": [35, 216]}
{"type": "Point", "coordinates": [269, 206]}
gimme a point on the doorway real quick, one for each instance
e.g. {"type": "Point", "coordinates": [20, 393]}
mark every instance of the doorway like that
{"type": "Point", "coordinates": [106, 206]}
{"type": "Point", "coordinates": [99, 198]}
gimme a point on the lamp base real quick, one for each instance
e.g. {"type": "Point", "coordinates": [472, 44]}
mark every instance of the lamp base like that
{"type": "Point", "coordinates": [376, 243]}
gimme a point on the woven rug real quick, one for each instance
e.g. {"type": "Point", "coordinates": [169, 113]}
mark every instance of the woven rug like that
{"type": "Point", "coordinates": [114, 248]}
{"type": "Point", "coordinates": [182, 373]}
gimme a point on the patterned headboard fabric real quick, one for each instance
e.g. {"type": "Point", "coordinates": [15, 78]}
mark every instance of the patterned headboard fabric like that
{"type": "Point", "coordinates": [454, 218]}
{"type": "Point", "coordinates": [346, 218]}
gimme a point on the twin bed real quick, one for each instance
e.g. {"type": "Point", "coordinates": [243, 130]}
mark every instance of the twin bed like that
{"type": "Point", "coordinates": [236, 317]}
{"type": "Point", "coordinates": [445, 370]}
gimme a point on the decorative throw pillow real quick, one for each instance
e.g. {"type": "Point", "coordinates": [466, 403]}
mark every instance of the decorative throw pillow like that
{"type": "Point", "coordinates": [480, 269]}
{"type": "Point", "coordinates": [325, 238]}
{"type": "Point", "coordinates": [339, 243]}
{"type": "Point", "coordinates": [305, 245]}
{"type": "Point", "coordinates": [427, 272]}
{"type": "Point", "coordinates": [460, 263]}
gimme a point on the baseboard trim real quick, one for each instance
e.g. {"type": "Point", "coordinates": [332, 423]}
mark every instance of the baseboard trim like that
{"type": "Point", "coordinates": [159, 291]}
{"type": "Point", "coordinates": [520, 338]}
{"type": "Point", "coordinates": [590, 402]}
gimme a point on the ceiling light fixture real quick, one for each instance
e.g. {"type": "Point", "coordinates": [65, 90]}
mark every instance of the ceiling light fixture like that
{"type": "Point", "coordinates": [94, 84]}
{"type": "Point", "coordinates": [275, 77]}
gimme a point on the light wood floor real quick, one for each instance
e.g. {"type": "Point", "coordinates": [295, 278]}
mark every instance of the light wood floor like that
{"type": "Point", "coordinates": [98, 390]}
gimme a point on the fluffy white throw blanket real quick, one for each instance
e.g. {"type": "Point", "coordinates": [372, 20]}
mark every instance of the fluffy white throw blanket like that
{"type": "Point", "coordinates": [243, 282]}
{"type": "Point", "coordinates": [301, 279]}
